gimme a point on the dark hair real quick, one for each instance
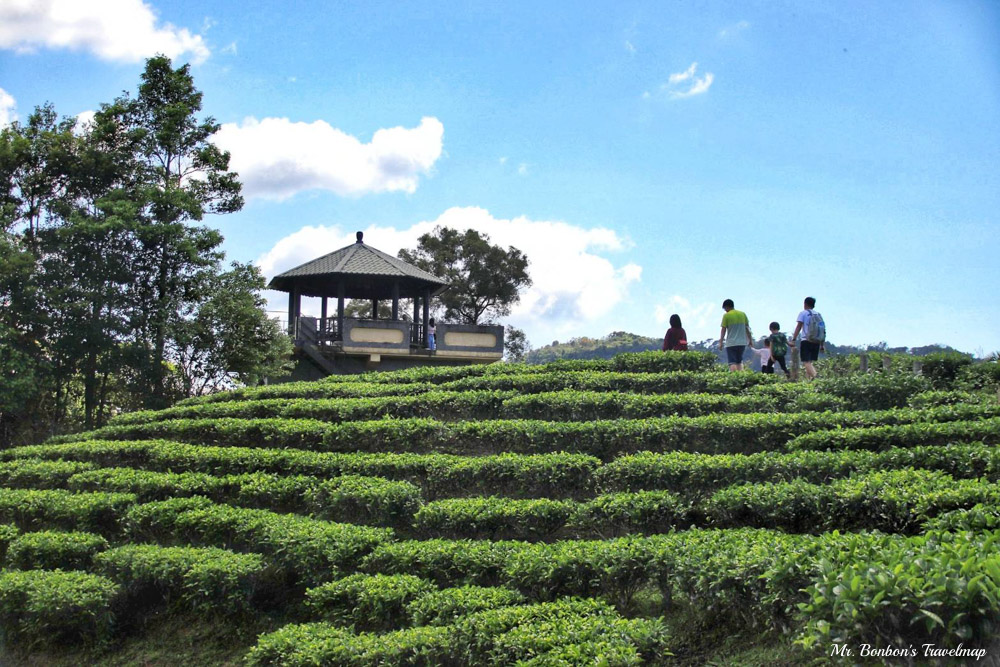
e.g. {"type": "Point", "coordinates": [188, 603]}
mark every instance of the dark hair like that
{"type": "Point", "coordinates": [775, 326]}
{"type": "Point", "coordinates": [431, 321]}
{"type": "Point", "coordinates": [728, 303]}
{"type": "Point", "coordinates": [810, 302]}
{"type": "Point", "coordinates": [675, 320]}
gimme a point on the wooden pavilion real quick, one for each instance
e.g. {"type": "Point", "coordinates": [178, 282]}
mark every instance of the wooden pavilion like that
{"type": "Point", "coordinates": [340, 344]}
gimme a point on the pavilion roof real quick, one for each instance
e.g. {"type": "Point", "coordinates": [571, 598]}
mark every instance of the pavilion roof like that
{"type": "Point", "coordinates": [366, 271]}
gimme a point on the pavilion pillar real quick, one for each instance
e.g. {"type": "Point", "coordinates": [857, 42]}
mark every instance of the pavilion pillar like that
{"type": "Point", "coordinates": [340, 310]}
{"type": "Point", "coordinates": [416, 318]}
{"type": "Point", "coordinates": [322, 322]}
{"type": "Point", "coordinates": [291, 312]}
{"type": "Point", "coordinates": [427, 315]}
{"type": "Point", "coordinates": [395, 301]}
{"type": "Point", "coordinates": [374, 309]}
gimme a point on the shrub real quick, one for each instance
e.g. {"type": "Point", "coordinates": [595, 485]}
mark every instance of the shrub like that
{"type": "Point", "coordinates": [492, 517]}
{"type": "Point", "coordinates": [31, 473]}
{"type": "Point", "coordinates": [8, 534]}
{"type": "Point", "coordinates": [982, 375]}
{"type": "Point", "coordinates": [55, 608]}
{"type": "Point", "coordinates": [939, 588]}
{"type": "Point", "coordinates": [367, 601]}
{"type": "Point", "coordinates": [311, 644]}
{"type": "Point", "coordinates": [941, 368]}
{"type": "Point", "coordinates": [51, 550]}
{"type": "Point", "coordinates": [614, 514]}
{"type": "Point", "coordinates": [30, 509]}
{"type": "Point", "coordinates": [443, 607]}
{"type": "Point", "coordinates": [445, 562]}
{"type": "Point", "coordinates": [875, 391]}
{"type": "Point", "coordinates": [365, 500]}
{"type": "Point", "coordinates": [203, 579]}
{"type": "Point", "coordinates": [660, 362]}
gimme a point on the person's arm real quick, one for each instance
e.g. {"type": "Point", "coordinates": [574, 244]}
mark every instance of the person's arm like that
{"type": "Point", "coordinates": [722, 338]}
{"type": "Point", "coordinates": [798, 328]}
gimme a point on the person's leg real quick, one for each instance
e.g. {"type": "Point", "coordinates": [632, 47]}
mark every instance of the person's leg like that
{"type": "Point", "coordinates": [781, 362]}
{"type": "Point", "coordinates": [810, 352]}
{"type": "Point", "coordinates": [734, 355]}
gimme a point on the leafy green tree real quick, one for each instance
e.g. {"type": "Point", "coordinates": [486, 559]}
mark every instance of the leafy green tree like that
{"type": "Point", "coordinates": [515, 344]}
{"type": "Point", "coordinates": [230, 340]}
{"type": "Point", "coordinates": [485, 279]}
{"type": "Point", "coordinates": [175, 176]}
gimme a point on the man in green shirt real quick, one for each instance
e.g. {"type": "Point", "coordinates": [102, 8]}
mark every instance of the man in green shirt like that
{"type": "Point", "coordinates": [735, 335]}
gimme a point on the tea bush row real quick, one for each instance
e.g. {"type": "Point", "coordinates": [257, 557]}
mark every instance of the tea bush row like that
{"type": "Point", "coordinates": [881, 438]}
{"type": "Point", "coordinates": [745, 577]}
{"type": "Point", "coordinates": [564, 405]}
{"type": "Point", "coordinates": [309, 550]}
{"type": "Point", "coordinates": [605, 439]}
{"type": "Point", "coordinates": [439, 475]}
{"type": "Point", "coordinates": [51, 608]}
{"type": "Point", "coordinates": [893, 501]}
{"type": "Point", "coordinates": [522, 634]}
{"type": "Point", "coordinates": [366, 500]}
{"type": "Point", "coordinates": [696, 474]}
{"type": "Point", "coordinates": [31, 509]}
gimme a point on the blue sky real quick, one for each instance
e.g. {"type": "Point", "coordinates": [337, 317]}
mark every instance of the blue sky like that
{"type": "Point", "coordinates": [649, 157]}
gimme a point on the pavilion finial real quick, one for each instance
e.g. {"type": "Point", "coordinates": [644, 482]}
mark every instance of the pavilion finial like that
{"type": "Point", "coordinates": [360, 236]}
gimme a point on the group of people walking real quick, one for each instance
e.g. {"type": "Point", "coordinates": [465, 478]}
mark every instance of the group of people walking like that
{"type": "Point", "coordinates": [735, 337]}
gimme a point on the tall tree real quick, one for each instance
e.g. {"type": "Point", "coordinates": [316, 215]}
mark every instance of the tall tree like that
{"type": "Point", "coordinates": [485, 280]}
{"type": "Point", "coordinates": [177, 176]}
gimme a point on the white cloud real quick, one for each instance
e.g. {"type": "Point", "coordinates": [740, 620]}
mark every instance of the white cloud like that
{"type": "Point", "coordinates": [121, 30]}
{"type": "Point", "coordinates": [83, 121]}
{"type": "Point", "coordinates": [522, 169]}
{"type": "Point", "coordinates": [8, 108]}
{"type": "Point", "coordinates": [572, 281]}
{"type": "Point", "coordinates": [629, 46]}
{"type": "Point", "coordinates": [230, 49]}
{"type": "Point", "coordinates": [697, 85]}
{"type": "Point", "coordinates": [693, 316]}
{"type": "Point", "coordinates": [733, 30]}
{"type": "Point", "coordinates": [685, 75]}
{"type": "Point", "coordinates": [277, 158]}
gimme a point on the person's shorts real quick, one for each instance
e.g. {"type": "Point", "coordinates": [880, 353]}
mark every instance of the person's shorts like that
{"type": "Point", "coordinates": [735, 353]}
{"type": "Point", "coordinates": [809, 351]}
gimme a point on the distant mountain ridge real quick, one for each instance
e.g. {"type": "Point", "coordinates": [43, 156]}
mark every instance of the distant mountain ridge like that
{"type": "Point", "coordinates": [622, 341]}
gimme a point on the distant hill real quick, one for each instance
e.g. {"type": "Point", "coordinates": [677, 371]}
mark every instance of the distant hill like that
{"type": "Point", "coordinates": [623, 341]}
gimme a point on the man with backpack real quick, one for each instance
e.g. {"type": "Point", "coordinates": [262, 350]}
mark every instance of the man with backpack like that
{"type": "Point", "coordinates": [810, 323]}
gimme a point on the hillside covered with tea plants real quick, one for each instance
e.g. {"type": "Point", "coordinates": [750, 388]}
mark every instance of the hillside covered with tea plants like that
{"type": "Point", "coordinates": [647, 509]}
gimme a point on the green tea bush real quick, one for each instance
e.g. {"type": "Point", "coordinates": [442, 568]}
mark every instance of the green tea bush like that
{"type": "Point", "coordinates": [492, 518]}
{"type": "Point", "coordinates": [203, 579]}
{"type": "Point", "coordinates": [880, 438]}
{"type": "Point", "coordinates": [615, 514]}
{"type": "Point", "coordinates": [982, 375]}
{"type": "Point", "coordinates": [311, 644]}
{"type": "Point", "coordinates": [893, 501]}
{"type": "Point", "coordinates": [875, 391]}
{"type": "Point", "coordinates": [312, 550]}
{"type": "Point", "coordinates": [55, 508]}
{"type": "Point", "coordinates": [937, 398]}
{"type": "Point", "coordinates": [978, 518]}
{"type": "Point", "coordinates": [8, 534]}
{"type": "Point", "coordinates": [939, 588]}
{"type": "Point", "coordinates": [374, 602]}
{"type": "Point", "coordinates": [555, 475]}
{"type": "Point", "coordinates": [663, 362]}
{"type": "Point", "coordinates": [56, 609]}
{"type": "Point", "coordinates": [445, 562]}
{"type": "Point", "coordinates": [612, 569]}
{"type": "Point", "coordinates": [52, 550]}
{"type": "Point", "coordinates": [443, 607]}
{"type": "Point", "coordinates": [36, 474]}
{"type": "Point", "coordinates": [365, 500]}
{"type": "Point", "coordinates": [508, 635]}
{"type": "Point", "coordinates": [694, 475]}
{"type": "Point", "coordinates": [942, 368]}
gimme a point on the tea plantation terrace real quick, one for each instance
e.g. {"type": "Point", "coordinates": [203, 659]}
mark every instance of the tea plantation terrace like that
{"type": "Point", "coordinates": [641, 510]}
